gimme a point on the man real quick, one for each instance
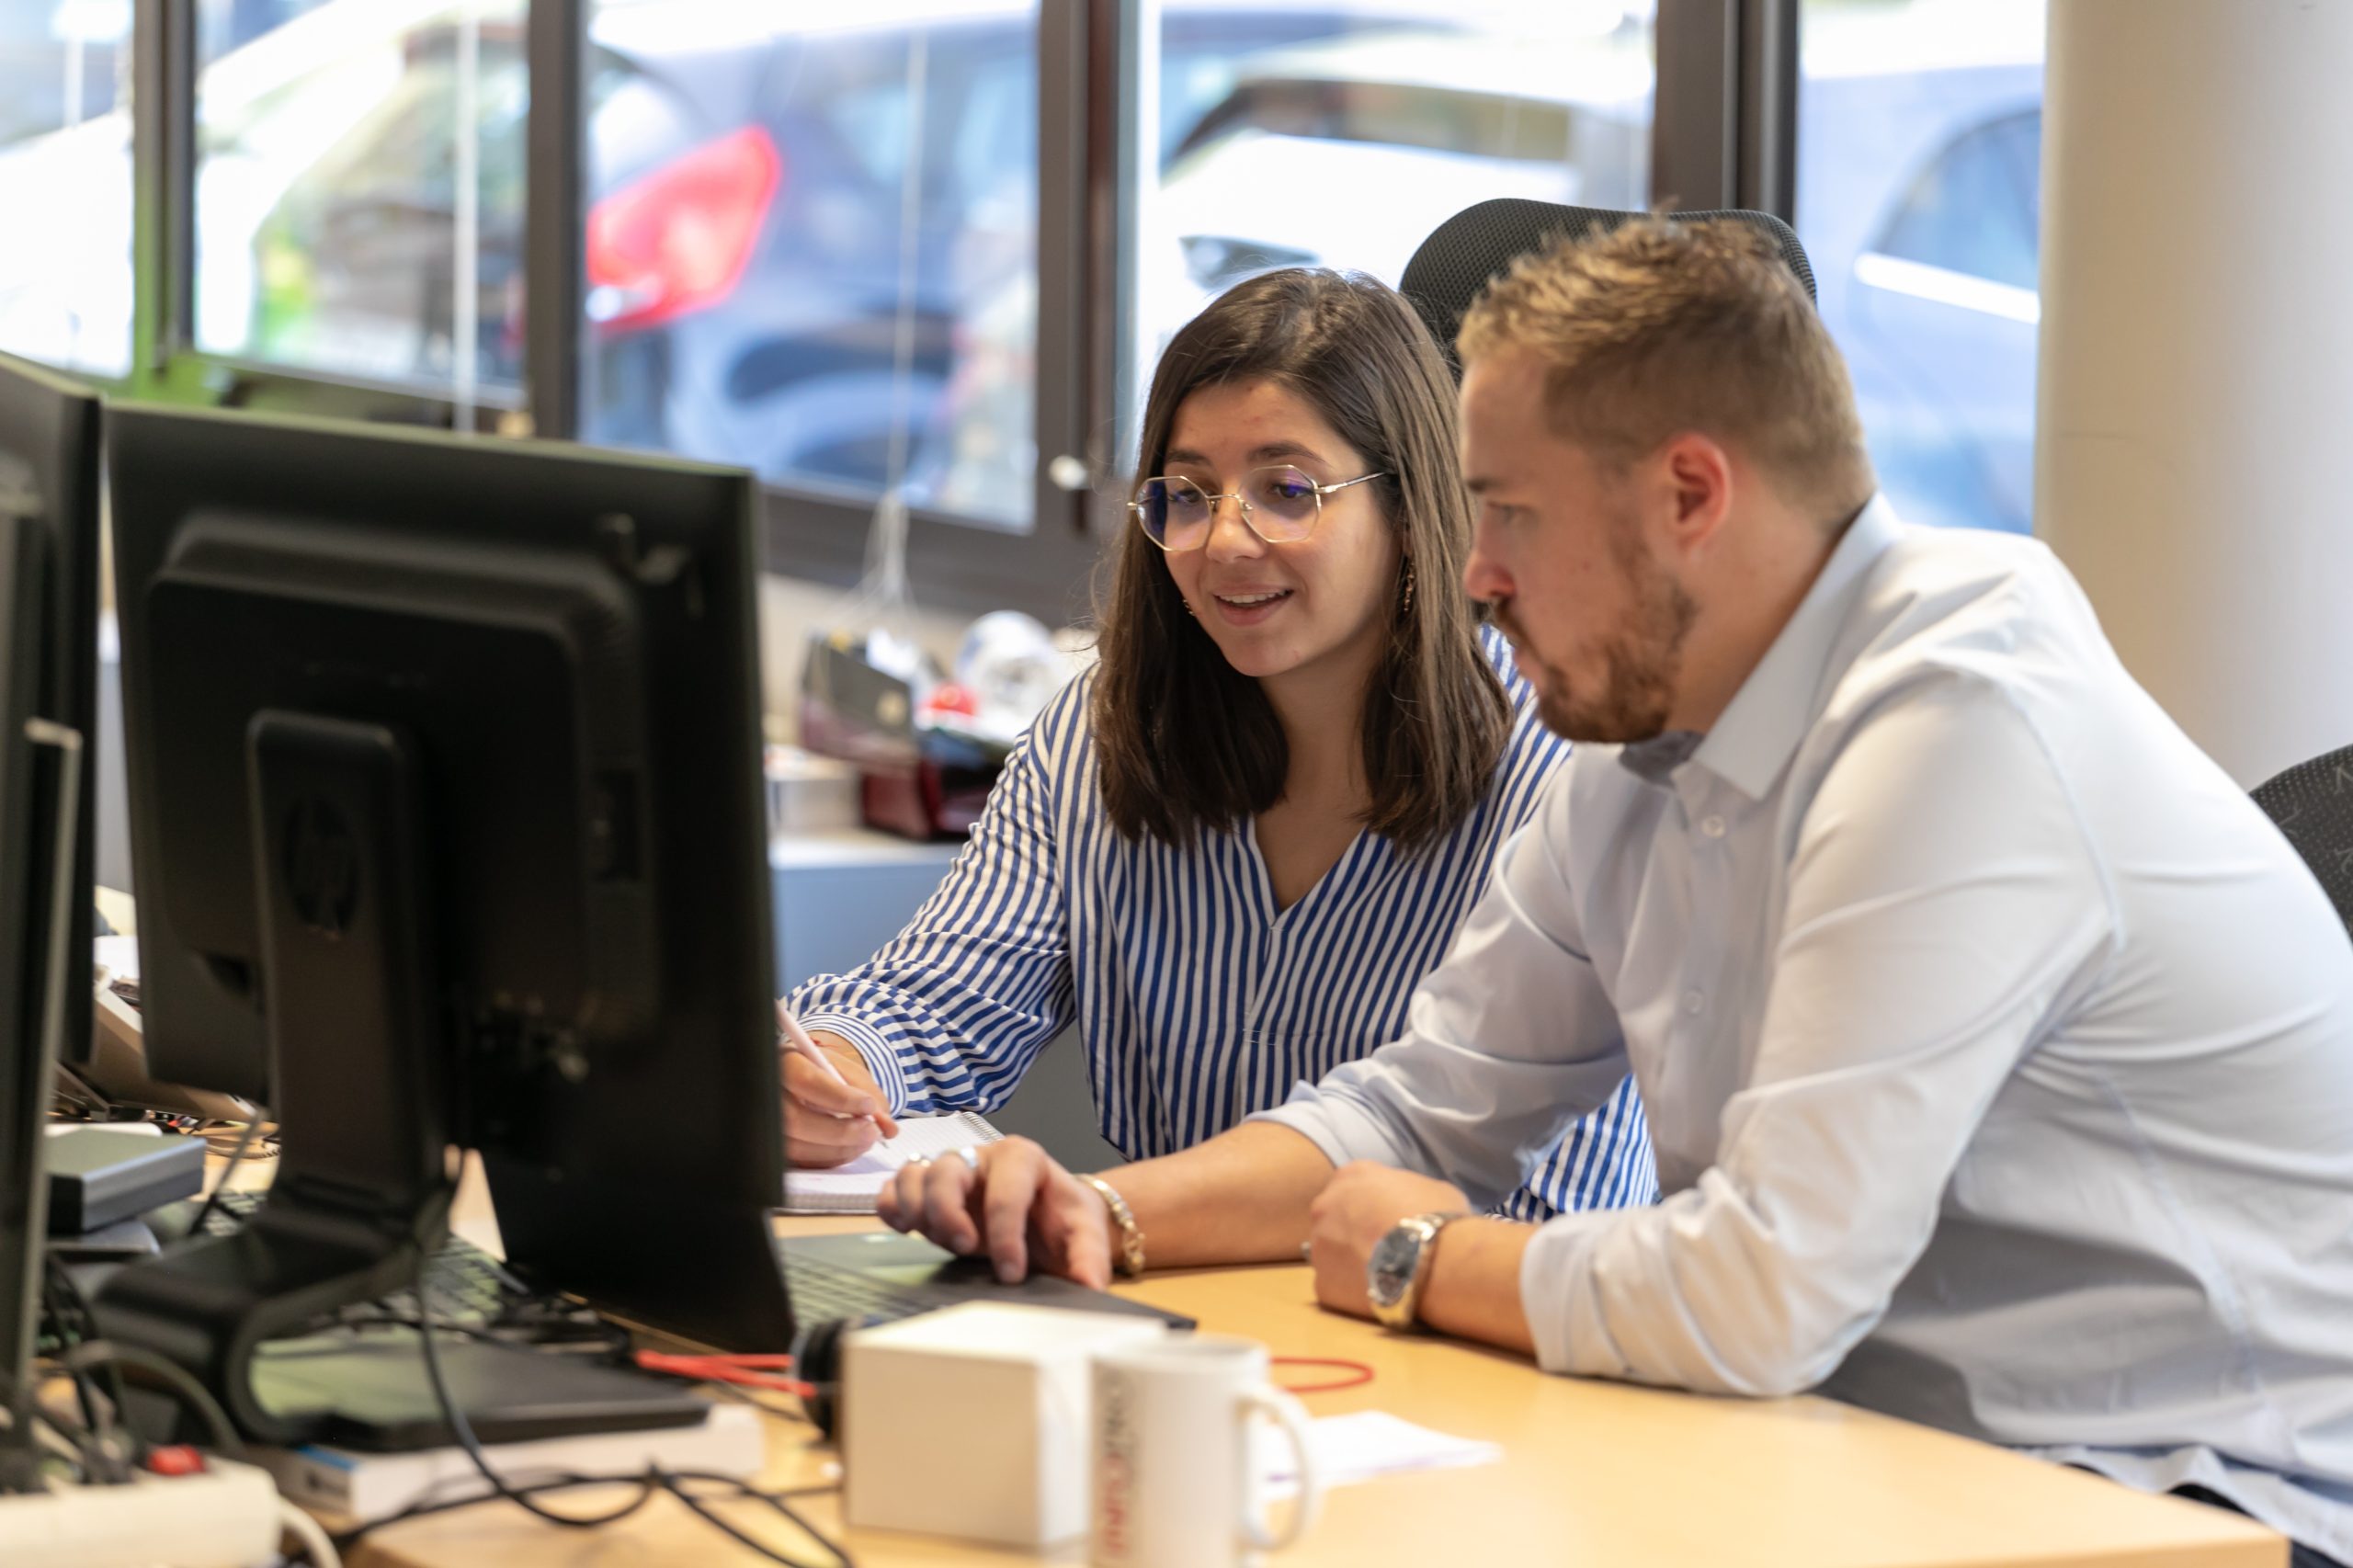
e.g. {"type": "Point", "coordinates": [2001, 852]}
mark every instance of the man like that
{"type": "Point", "coordinates": [1998, 1053]}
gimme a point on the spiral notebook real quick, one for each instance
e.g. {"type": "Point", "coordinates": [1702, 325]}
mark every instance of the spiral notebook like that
{"type": "Point", "coordinates": [852, 1189]}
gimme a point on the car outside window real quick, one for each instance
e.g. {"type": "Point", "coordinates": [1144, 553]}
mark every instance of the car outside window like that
{"type": "Point", "coordinates": [1976, 210]}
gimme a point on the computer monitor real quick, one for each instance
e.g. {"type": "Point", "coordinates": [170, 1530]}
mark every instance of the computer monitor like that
{"type": "Point", "coordinates": [48, 459]}
{"type": "Point", "coordinates": [40, 788]}
{"type": "Point", "coordinates": [443, 757]}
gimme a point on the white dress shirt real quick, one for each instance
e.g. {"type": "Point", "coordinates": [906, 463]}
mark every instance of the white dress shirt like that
{"type": "Point", "coordinates": [1998, 1051]}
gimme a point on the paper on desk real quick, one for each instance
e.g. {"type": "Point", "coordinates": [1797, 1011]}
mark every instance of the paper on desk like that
{"type": "Point", "coordinates": [1372, 1443]}
{"type": "Point", "coordinates": [852, 1189]}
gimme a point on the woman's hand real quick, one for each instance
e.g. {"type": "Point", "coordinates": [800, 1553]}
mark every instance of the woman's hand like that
{"type": "Point", "coordinates": [829, 1121]}
{"type": "Point", "coordinates": [1010, 1200]}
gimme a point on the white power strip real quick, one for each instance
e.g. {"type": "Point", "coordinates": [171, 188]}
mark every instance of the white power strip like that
{"type": "Point", "coordinates": [225, 1518]}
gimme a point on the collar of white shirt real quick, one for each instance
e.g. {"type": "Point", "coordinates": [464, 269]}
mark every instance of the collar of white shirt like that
{"type": "Point", "coordinates": [1753, 739]}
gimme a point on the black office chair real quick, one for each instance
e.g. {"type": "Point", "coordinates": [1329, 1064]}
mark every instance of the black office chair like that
{"type": "Point", "coordinates": [1479, 243]}
{"type": "Point", "coordinates": [2313, 804]}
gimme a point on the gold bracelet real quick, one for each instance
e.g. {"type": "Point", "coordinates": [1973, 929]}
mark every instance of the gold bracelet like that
{"type": "Point", "coordinates": [1128, 1256]}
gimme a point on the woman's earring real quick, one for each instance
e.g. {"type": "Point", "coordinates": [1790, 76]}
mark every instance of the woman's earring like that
{"type": "Point", "coordinates": [1407, 606]}
{"type": "Point", "coordinates": [1189, 609]}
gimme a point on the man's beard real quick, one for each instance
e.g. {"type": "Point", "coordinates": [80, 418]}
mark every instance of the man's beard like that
{"type": "Point", "coordinates": [1642, 661]}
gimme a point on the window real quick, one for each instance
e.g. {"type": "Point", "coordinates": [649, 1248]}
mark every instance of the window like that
{"type": "Point", "coordinates": [66, 297]}
{"type": "Point", "coordinates": [359, 190]}
{"type": "Point", "coordinates": [1340, 133]}
{"type": "Point", "coordinates": [1919, 193]}
{"type": "Point", "coordinates": [907, 250]}
{"type": "Point", "coordinates": [812, 245]}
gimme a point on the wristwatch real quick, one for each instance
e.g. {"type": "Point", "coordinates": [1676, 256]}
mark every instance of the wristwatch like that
{"type": "Point", "coordinates": [1399, 1264]}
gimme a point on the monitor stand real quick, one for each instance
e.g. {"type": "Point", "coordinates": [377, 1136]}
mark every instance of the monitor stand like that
{"type": "Point", "coordinates": [363, 1186]}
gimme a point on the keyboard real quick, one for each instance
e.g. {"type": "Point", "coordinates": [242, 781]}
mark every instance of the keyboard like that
{"type": "Point", "coordinates": [470, 1288]}
{"type": "Point", "coordinates": [884, 1275]}
{"type": "Point", "coordinates": [820, 1291]}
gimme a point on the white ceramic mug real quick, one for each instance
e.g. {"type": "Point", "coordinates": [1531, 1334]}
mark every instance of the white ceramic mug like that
{"type": "Point", "coordinates": [1178, 1482]}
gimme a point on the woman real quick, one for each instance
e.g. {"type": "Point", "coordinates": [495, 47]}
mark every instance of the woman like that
{"type": "Point", "coordinates": [1230, 850]}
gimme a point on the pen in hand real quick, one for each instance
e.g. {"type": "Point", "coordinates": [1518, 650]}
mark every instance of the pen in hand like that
{"type": "Point", "coordinates": [799, 1040]}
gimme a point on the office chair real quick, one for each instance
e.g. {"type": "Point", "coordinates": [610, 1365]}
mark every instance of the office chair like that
{"type": "Point", "coordinates": [2313, 804]}
{"type": "Point", "coordinates": [1478, 243]}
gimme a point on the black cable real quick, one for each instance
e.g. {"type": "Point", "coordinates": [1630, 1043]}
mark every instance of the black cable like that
{"type": "Point", "coordinates": [654, 1480]}
{"type": "Point", "coordinates": [68, 1335]}
{"type": "Point", "coordinates": [352, 1537]}
{"type": "Point", "coordinates": [649, 1491]}
{"type": "Point", "coordinates": [463, 1431]}
{"type": "Point", "coordinates": [101, 1352]}
{"type": "Point", "coordinates": [23, 1400]}
{"type": "Point", "coordinates": [93, 1468]}
{"type": "Point", "coordinates": [85, 1318]}
{"type": "Point", "coordinates": [73, 1325]}
{"type": "Point", "coordinates": [212, 1198]}
{"type": "Point", "coordinates": [670, 1483]}
{"type": "Point", "coordinates": [779, 1501]}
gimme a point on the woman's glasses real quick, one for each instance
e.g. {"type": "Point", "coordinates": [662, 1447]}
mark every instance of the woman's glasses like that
{"type": "Point", "coordinates": [1280, 504]}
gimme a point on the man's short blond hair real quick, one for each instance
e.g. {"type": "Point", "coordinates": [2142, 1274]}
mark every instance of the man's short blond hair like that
{"type": "Point", "coordinates": [1660, 327]}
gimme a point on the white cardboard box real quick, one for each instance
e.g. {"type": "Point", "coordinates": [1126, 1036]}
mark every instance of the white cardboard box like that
{"type": "Point", "coordinates": [973, 1421]}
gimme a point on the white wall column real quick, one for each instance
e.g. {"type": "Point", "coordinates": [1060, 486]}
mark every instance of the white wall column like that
{"type": "Point", "coordinates": [2194, 459]}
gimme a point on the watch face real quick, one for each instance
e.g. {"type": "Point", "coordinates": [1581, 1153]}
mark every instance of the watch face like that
{"type": "Point", "coordinates": [1391, 1268]}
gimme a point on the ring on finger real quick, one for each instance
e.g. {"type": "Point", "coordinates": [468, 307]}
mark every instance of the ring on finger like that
{"type": "Point", "coordinates": [971, 1156]}
{"type": "Point", "coordinates": [918, 1161]}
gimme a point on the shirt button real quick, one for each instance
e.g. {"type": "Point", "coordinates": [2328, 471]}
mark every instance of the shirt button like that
{"type": "Point", "coordinates": [1713, 828]}
{"type": "Point", "coordinates": [1693, 1001]}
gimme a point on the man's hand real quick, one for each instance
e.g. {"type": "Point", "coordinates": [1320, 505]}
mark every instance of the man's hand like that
{"type": "Point", "coordinates": [828, 1122]}
{"type": "Point", "coordinates": [1362, 1203]}
{"type": "Point", "coordinates": [1011, 1201]}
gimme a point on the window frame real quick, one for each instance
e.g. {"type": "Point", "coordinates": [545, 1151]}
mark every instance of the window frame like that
{"type": "Point", "coordinates": [1723, 117]}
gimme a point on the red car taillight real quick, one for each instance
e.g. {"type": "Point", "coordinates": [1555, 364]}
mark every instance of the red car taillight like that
{"type": "Point", "coordinates": [679, 239]}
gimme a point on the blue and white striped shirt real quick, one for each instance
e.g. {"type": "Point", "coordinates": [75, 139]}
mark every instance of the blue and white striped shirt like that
{"type": "Point", "coordinates": [1198, 1000]}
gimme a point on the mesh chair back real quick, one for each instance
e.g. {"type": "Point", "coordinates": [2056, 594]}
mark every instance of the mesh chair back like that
{"type": "Point", "coordinates": [2313, 804]}
{"type": "Point", "coordinates": [1478, 243]}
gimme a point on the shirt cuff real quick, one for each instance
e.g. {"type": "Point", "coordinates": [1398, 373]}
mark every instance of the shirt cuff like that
{"type": "Point", "coordinates": [881, 1057]}
{"type": "Point", "coordinates": [1551, 1268]}
{"type": "Point", "coordinates": [1343, 1130]}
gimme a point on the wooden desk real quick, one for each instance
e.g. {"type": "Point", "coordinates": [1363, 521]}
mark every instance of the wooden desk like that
{"type": "Point", "coordinates": [1595, 1474]}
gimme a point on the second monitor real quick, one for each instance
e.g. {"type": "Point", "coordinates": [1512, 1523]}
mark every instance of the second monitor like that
{"type": "Point", "coordinates": [49, 479]}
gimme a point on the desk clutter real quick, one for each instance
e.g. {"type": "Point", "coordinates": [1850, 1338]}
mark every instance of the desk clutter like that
{"type": "Point", "coordinates": [1119, 1428]}
{"type": "Point", "coordinates": [1158, 1447]}
{"type": "Point", "coordinates": [1142, 1439]}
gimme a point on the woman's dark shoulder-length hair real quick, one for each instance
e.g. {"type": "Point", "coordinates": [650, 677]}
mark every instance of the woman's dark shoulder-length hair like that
{"type": "Point", "coordinates": [1184, 740]}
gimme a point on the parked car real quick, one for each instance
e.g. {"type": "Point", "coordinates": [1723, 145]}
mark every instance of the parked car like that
{"type": "Point", "coordinates": [1918, 191]}
{"type": "Point", "coordinates": [1919, 199]}
{"type": "Point", "coordinates": [746, 182]}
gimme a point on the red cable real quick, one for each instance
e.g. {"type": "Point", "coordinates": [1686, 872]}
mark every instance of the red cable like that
{"type": "Point", "coordinates": [745, 1371]}
{"type": "Point", "coordinates": [1363, 1373]}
